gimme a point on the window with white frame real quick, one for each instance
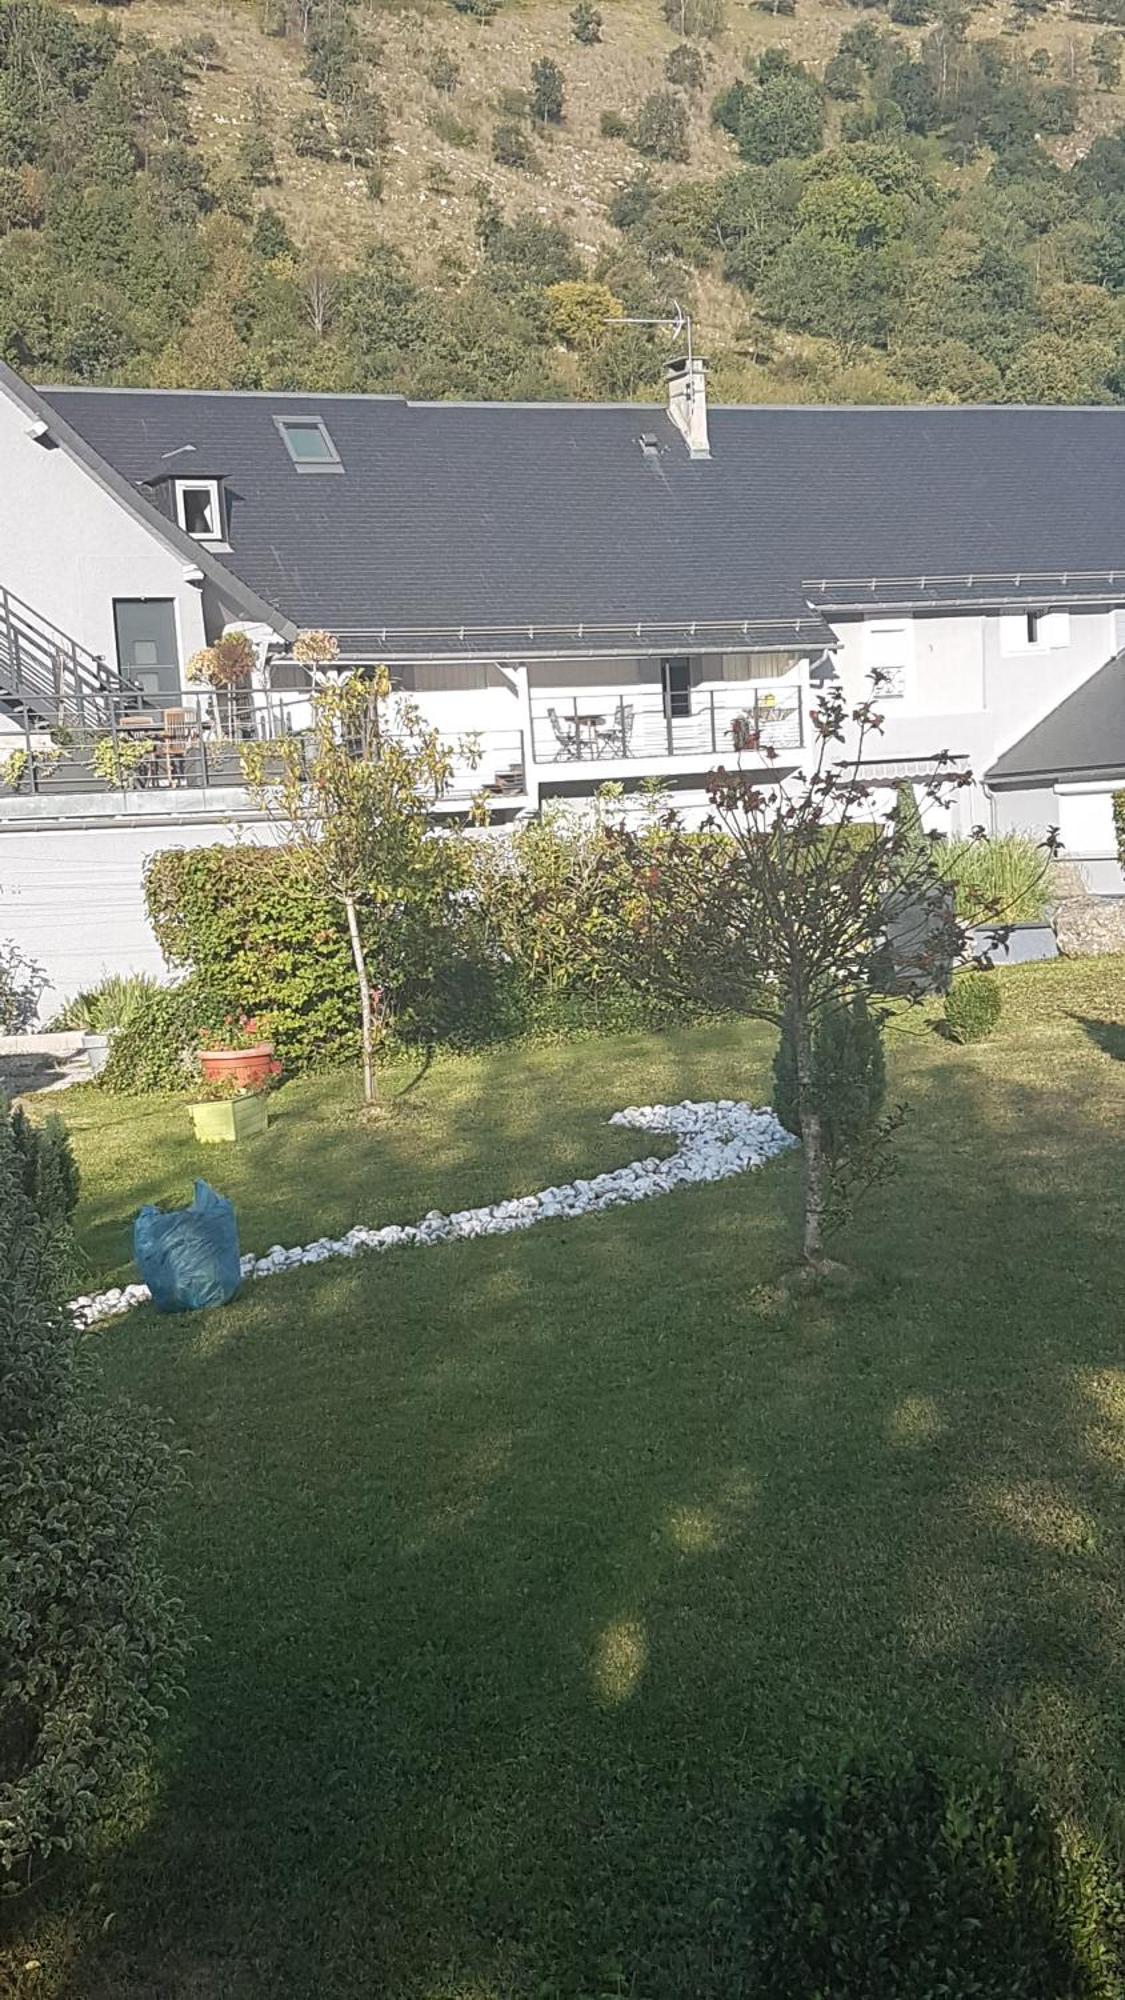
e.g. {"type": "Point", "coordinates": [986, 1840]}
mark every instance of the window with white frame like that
{"type": "Point", "coordinates": [199, 509]}
{"type": "Point", "coordinates": [887, 648]}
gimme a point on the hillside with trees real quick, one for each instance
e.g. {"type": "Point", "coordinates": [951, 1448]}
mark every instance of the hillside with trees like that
{"type": "Point", "coordinates": [909, 201]}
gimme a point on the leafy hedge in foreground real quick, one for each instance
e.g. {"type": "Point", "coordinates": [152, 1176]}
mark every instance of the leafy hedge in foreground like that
{"type": "Point", "coordinates": [911, 1883]}
{"type": "Point", "coordinates": [90, 1641]}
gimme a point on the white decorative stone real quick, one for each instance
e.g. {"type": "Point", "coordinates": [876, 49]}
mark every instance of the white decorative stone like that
{"type": "Point", "coordinates": [717, 1140]}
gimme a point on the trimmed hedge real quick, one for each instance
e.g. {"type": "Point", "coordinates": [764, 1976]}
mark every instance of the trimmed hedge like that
{"type": "Point", "coordinates": [517, 950]}
{"type": "Point", "coordinates": [973, 1006]}
{"type": "Point", "coordinates": [912, 1883]}
{"type": "Point", "coordinates": [1119, 824]}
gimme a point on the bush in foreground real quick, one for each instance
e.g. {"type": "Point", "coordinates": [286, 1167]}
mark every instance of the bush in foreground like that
{"type": "Point", "coordinates": [973, 1006]}
{"type": "Point", "coordinates": [912, 1884]}
{"type": "Point", "coordinates": [90, 1641]}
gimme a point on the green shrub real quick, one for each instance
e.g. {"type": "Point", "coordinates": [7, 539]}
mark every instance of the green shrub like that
{"type": "Point", "coordinates": [443, 71]}
{"type": "Point", "coordinates": [684, 67]}
{"type": "Point", "coordinates": [511, 146]}
{"type": "Point", "coordinates": [1002, 881]}
{"type": "Point", "coordinates": [107, 1005]}
{"type": "Point", "coordinates": [973, 1006]}
{"type": "Point", "coordinates": [906, 1883]}
{"type": "Point", "coordinates": [586, 22]}
{"type": "Point", "coordinates": [1119, 824]}
{"type": "Point", "coordinates": [660, 128]}
{"type": "Point", "coordinates": [850, 1077]}
{"type": "Point", "coordinates": [21, 984]}
{"type": "Point", "coordinates": [614, 125]}
{"type": "Point", "coordinates": [153, 1050]}
{"type": "Point", "coordinates": [452, 129]}
{"type": "Point", "coordinates": [48, 1168]}
{"type": "Point", "coordinates": [90, 1640]}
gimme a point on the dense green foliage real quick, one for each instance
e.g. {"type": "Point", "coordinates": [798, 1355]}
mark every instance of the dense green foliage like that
{"type": "Point", "coordinates": [1119, 824]}
{"type": "Point", "coordinates": [47, 1168]}
{"type": "Point", "coordinates": [90, 1641]}
{"type": "Point", "coordinates": [523, 941]}
{"type": "Point", "coordinates": [107, 1005]}
{"type": "Point", "coordinates": [153, 1048]}
{"type": "Point", "coordinates": [973, 1006]}
{"type": "Point", "coordinates": [1002, 881]}
{"type": "Point", "coordinates": [905, 1882]}
{"type": "Point", "coordinates": [21, 984]}
{"type": "Point", "coordinates": [850, 1084]}
{"type": "Point", "coordinates": [926, 232]}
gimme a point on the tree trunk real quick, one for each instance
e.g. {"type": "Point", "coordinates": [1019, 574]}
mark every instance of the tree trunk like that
{"type": "Point", "coordinates": [364, 1001]}
{"type": "Point", "coordinates": [812, 1143]}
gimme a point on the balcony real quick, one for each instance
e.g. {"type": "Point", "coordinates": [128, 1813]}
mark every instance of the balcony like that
{"type": "Point", "coordinates": [184, 753]}
{"type": "Point", "coordinates": [696, 726]}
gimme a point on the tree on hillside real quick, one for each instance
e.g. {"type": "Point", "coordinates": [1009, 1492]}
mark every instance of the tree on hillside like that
{"type": "Point", "coordinates": [660, 128]}
{"type": "Point", "coordinates": [91, 1642]}
{"type": "Point", "coordinates": [586, 22]}
{"type": "Point", "coordinates": [353, 802]}
{"type": "Point", "coordinates": [804, 915]}
{"type": "Point", "coordinates": [547, 92]}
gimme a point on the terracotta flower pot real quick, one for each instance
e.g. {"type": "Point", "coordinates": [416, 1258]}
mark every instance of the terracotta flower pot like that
{"type": "Point", "coordinates": [242, 1069]}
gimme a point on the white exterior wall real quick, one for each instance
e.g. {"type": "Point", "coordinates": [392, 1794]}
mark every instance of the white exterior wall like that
{"type": "Point", "coordinates": [68, 548]}
{"type": "Point", "coordinates": [972, 686]}
{"type": "Point", "coordinates": [72, 898]}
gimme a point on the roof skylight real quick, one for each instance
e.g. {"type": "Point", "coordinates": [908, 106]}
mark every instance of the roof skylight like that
{"type": "Point", "coordinates": [309, 445]}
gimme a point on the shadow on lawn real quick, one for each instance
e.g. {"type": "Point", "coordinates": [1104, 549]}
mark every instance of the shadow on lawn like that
{"type": "Point", "coordinates": [531, 1568]}
{"type": "Point", "coordinates": [1108, 1036]}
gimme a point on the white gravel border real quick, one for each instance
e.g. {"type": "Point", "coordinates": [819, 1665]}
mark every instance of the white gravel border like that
{"type": "Point", "coordinates": [717, 1140]}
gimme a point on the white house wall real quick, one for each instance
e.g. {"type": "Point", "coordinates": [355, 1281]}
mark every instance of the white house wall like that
{"type": "Point", "coordinates": [68, 548]}
{"type": "Point", "coordinates": [72, 899]}
{"type": "Point", "coordinates": [967, 689]}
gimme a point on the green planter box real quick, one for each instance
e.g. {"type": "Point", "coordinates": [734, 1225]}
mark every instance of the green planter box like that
{"type": "Point", "coordinates": [229, 1118]}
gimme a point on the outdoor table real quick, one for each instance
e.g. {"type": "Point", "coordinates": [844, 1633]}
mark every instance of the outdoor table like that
{"type": "Point", "coordinates": [591, 724]}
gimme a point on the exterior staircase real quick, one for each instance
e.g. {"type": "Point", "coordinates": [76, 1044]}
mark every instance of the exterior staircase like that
{"type": "Point", "coordinates": [48, 681]}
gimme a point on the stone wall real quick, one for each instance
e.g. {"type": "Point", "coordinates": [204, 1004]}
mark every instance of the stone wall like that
{"type": "Point", "coordinates": [1090, 925]}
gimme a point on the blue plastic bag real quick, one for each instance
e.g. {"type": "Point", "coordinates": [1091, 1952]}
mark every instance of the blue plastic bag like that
{"type": "Point", "coordinates": [189, 1257]}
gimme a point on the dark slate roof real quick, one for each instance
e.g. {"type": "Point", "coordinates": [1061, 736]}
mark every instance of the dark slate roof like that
{"type": "Point", "coordinates": [479, 527]}
{"type": "Point", "coordinates": [1083, 737]}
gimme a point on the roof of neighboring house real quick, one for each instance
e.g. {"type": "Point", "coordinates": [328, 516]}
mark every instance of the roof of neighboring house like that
{"type": "Point", "coordinates": [517, 529]}
{"type": "Point", "coordinates": [1083, 737]}
{"type": "Point", "coordinates": [118, 482]}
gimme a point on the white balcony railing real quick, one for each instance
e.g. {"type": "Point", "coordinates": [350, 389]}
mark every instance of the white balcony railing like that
{"type": "Point", "coordinates": [696, 725]}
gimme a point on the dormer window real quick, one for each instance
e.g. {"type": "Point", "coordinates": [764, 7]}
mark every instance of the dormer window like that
{"type": "Point", "coordinates": [199, 509]}
{"type": "Point", "coordinates": [309, 445]}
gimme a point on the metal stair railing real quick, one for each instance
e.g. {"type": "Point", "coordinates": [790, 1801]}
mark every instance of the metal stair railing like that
{"type": "Point", "coordinates": [47, 675]}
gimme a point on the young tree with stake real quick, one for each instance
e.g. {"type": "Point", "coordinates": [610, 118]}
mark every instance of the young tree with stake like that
{"type": "Point", "coordinates": [810, 913]}
{"type": "Point", "coordinates": [353, 799]}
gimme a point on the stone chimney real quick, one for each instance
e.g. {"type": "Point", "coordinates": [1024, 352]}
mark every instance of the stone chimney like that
{"type": "Point", "coordinates": [687, 402]}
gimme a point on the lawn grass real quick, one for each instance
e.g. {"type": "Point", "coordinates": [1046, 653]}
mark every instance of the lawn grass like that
{"type": "Point", "coordinates": [532, 1568]}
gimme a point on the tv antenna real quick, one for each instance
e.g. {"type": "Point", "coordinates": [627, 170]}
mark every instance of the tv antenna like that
{"type": "Point", "coordinates": [674, 323]}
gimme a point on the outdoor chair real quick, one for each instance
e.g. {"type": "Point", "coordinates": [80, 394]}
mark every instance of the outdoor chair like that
{"type": "Point", "coordinates": [565, 737]}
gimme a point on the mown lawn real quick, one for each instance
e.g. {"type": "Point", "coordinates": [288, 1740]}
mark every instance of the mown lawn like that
{"type": "Point", "coordinates": [531, 1569]}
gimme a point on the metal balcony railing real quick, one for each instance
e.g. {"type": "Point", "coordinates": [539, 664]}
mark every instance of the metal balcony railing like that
{"type": "Point", "coordinates": [191, 740]}
{"type": "Point", "coordinates": [694, 724]}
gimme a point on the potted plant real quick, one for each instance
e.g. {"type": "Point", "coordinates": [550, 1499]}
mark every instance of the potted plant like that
{"type": "Point", "coordinates": [225, 1113]}
{"type": "Point", "coordinates": [227, 663]}
{"type": "Point", "coordinates": [236, 1056]}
